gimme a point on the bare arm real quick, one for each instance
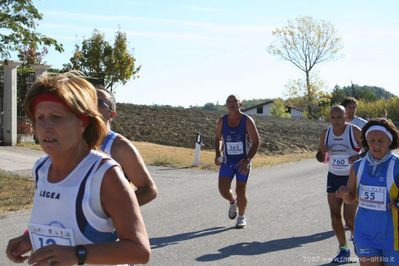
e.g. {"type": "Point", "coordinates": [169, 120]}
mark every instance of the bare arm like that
{"type": "Point", "coordinates": [358, 135]}
{"type": "Point", "coordinates": [127, 155]}
{"type": "Point", "coordinates": [321, 154]}
{"type": "Point", "coordinates": [253, 135]}
{"type": "Point", "coordinates": [218, 139]}
{"type": "Point", "coordinates": [348, 192]}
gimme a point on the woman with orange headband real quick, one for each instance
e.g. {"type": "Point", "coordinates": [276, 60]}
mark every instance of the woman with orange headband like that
{"type": "Point", "coordinates": [84, 210]}
{"type": "Point", "coordinates": [374, 182]}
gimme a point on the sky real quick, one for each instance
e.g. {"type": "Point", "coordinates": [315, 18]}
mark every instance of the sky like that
{"type": "Point", "coordinates": [194, 52]}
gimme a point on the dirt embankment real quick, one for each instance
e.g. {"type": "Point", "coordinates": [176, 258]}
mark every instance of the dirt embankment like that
{"type": "Point", "coordinates": [176, 126]}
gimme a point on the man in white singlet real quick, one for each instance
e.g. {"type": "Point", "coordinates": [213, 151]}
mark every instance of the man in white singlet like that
{"type": "Point", "coordinates": [124, 152]}
{"type": "Point", "coordinates": [341, 143]}
{"type": "Point", "coordinates": [350, 105]}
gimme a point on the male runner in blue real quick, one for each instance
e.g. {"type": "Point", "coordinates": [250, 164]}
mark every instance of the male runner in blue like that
{"type": "Point", "coordinates": [240, 144]}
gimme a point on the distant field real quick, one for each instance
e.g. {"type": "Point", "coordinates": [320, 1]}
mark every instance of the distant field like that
{"type": "Point", "coordinates": [174, 126]}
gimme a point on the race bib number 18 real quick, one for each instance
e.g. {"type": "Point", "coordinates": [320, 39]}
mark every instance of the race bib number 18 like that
{"type": "Point", "coordinates": [43, 235]}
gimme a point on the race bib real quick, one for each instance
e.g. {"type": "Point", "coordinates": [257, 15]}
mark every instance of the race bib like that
{"type": "Point", "coordinates": [44, 235]}
{"type": "Point", "coordinates": [235, 148]}
{"type": "Point", "coordinates": [339, 163]}
{"type": "Point", "coordinates": [373, 198]}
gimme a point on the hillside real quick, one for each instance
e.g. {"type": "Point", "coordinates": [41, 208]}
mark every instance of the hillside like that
{"type": "Point", "coordinates": [177, 126]}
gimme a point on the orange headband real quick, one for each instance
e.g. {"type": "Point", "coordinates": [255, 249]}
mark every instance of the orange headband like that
{"type": "Point", "coordinates": [50, 97]}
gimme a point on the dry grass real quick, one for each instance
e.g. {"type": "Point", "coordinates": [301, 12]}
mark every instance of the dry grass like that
{"type": "Point", "coordinates": [178, 157]}
{"type": "Point", "coordinates": [161, 155]}
{"type": "Point", "coordinates": [16, 192]}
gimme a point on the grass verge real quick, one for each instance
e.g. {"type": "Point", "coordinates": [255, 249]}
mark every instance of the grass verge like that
{"type": "Point", "coordinates": [160, 155]}
{"type": "Point", "coordinates": [16, 192]}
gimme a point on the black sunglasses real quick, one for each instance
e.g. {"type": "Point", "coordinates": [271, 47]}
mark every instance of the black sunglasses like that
{"type": "Point", "coordinates": [103, 104]}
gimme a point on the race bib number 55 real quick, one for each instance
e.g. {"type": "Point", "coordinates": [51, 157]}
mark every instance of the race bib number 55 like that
{"type": "Point", "coordinates": [43, 235]}
{"type": "Point", "coordinates": [373, 198]}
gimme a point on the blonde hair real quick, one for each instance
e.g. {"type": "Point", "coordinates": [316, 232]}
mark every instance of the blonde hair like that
{"type": "Point", "coordinates": [78, 94]}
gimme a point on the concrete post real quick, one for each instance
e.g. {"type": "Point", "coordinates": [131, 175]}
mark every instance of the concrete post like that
{"type": "Point", "coordinates": [10, 102]}
{"type": "Point", "coordinates": [39, 69]}
{"type": "Point", "coordinates": [197, 153]}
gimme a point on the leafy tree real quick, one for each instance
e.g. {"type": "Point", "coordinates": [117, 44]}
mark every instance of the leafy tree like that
{"type": "Point", "coordinates": [209, 107]}
{"type": "Point", "coordinates": [365, 93]}
{"type": "Point", "coordinates": [305, 43]}
{"type": "Point", "coordinates": [337, 95]}
{"type": "Point", "coordinates": [279, 109]}
{"type": "Point", "coordinates": [18, 21]}
{"type": "Point", "coordinates": [98, 59]}
{"type": "Point", "coordinates": [298, 95]}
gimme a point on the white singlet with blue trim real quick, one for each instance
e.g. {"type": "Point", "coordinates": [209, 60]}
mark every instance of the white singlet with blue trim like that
{"type": "Point", "coordinates": [358, 121]}
{"type": "Point", "coordinates": [69, 212]}
{"type": "Point", "coordinates": [340, 148]}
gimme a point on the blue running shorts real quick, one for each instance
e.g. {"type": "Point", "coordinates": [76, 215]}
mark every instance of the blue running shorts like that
{"type": "Point", "coordinates": [230, 170]}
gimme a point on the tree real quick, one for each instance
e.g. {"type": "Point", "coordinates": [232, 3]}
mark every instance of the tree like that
{"type": "Point", "coordinates": [98, 59]}
{"type": "Point", "coordinates": [279, 109]}
{"type": "Point", "coordinates": [18, 21]}
{"type": "Point", "coordinates": [28, 55]}
{"type": "Point", "coordinates": [312, 98]}
{"type": "Point", "coordinates": [209, 107]}
{"type": "Point", "coordinates": [305, 43]}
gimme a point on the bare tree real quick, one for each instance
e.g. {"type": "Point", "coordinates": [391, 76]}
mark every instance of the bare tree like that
{"type": "Point", "coordinates": [306, 42]}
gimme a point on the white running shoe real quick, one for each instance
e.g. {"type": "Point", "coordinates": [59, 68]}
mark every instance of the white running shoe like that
{"type": "Point", "coordinates": [241, 222]}
{"type": "Point", "coordinates": [233, 210]}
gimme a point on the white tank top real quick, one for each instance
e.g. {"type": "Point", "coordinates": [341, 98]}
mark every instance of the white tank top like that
{"type": "Point", "coordinates": [69, 212]}
{"type": "Point", "coordinates": [340, 148]}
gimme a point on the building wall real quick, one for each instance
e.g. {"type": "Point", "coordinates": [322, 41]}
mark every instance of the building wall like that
{"type": "Point", "coordinates": [265, 111]}
{"type": "Point", "coordinates": [295, 114]}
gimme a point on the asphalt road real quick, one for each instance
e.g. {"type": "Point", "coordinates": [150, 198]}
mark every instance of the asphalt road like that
{"type": "Point", "coordinates": [288, 219]}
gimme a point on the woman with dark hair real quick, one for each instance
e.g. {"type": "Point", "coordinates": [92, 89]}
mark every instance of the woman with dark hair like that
{"type": "Point", "coordinates": [374, 182]}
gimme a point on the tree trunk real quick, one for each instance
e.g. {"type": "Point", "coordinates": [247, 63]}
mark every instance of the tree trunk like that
{"type": "Point", "coordinates": [309, 94]}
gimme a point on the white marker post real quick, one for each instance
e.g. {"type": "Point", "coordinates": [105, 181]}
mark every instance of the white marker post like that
{"type": "Point", "coordinates": [198, 144]}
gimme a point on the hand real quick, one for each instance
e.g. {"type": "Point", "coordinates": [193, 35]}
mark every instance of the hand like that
{"type": "Point", "coordinates": [54, 255]}
{"type": "Point", "coordinates": [243, 166]}
{"type": "Point", "coordinates": [342, 192]}
{"type": "Point", "coordinates": [392, 205]}
{"type": "Point", "coordinates": [320, 156]}
{"type": "Point", "coordinates": [217, 161]}
{"type": "Point", "coordinates": [353, 158]}
{"type": "Point", "coordinates": [17, 247]}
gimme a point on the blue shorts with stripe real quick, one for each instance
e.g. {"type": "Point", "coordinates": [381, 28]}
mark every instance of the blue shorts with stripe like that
{"type": "Point", "coordinates": [230, 169]}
